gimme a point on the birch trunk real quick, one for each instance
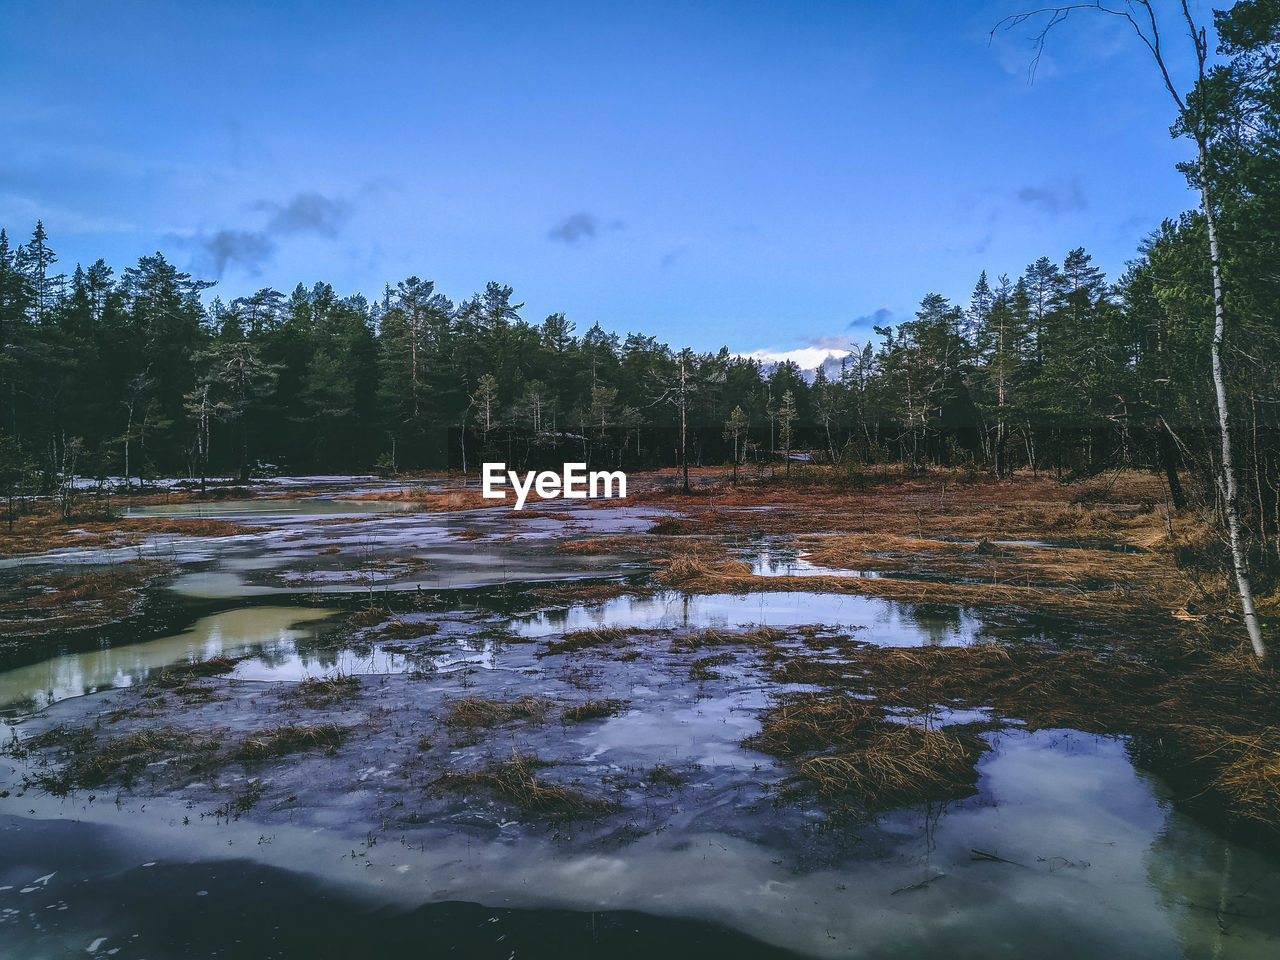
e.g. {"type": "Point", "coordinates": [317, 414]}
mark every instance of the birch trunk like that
{"type": "Point", "coordinates": [1228, 480]}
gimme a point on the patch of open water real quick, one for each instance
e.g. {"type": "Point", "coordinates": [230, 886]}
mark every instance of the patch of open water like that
{"type": "Point", "coordinates": [879, 621]}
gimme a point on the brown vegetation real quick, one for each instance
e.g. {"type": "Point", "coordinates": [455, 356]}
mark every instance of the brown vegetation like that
{"type": "Point", "coordinates": [514, 781]}
{"type": "Point", "coordinates": [603, 545]}
{"type": "Point", "coordinates": [581, 639]}
{"type": "Point", "coordinates": [592, 710]}
{"type": "Point", "coordinates": [279, 741]}
{"type": "Point", "coordinates": [87, 763]}
{"type": "Point", "coordinates": [587, 591]}
{"type": "Point", "coordinates": [482, 712]}
{"type": "Point", "coordinates": [51, 601]}
{"type": "Point", "coordinates": [408, 630]}
{"type": "Point", "coordinates": [42, 528]}
{"type": "Point", "coordinates": [324, 691]}
{"type": "Point", "coordinates": [1209, 722]}
{"type": "Point", "coordinates": [182, 673]}
{"type": "Point", "coordinates": [847, 748]}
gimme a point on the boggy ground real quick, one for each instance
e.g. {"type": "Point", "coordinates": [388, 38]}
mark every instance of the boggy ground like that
{"type": "Point", "coordinates": [1174, 673]}
{"type": "Point", "coordinates": [862, 727]}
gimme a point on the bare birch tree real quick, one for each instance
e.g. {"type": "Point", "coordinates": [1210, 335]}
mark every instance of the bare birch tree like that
{"type": "Point", "coordinates": [1141, 16]}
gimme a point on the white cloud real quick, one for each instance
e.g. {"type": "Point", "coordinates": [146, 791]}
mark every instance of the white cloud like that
{"type": "Point", "coordinates": [807, 358]}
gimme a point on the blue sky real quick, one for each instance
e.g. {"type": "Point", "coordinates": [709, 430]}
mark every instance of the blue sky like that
{"type": "Point", "coordinates": [761, 175]}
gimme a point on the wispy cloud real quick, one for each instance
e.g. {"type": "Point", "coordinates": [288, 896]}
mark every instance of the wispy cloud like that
{"type": "Point", "coordinates": [306, 213]}
{"type": "Point", "coordinates": [672, 255]}
{"type": "Point", "coordinates": [248, 249]}
{"type": "Point", "coordinates": [881, 317]}
{"type": "Point", "coordinates": [1054, 198]}
{"type": "Point", "coordinates": [581, 226]}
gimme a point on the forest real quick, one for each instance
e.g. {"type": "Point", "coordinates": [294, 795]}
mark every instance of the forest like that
{"type": "Point", "coordinates": [1054, 369]}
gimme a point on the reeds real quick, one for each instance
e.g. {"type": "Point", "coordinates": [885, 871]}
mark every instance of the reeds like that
{"type": "Point", "coordinates": [408, 630]}
{"type": "Point", "coordinates": [89, 764]}
{"type": "Point", "coordinates": [279, 741]}
{"type": "Point", "coordinates": [514, 781]}
{"type": "Point", "coordinates": [846, 748]}
{"type": "Point", "coordinates": [482, 712]}
{"type": "Point", "coordinates": [582, 639]}
{"type": "Point", "coordinates": [592, 710]}
{"type": "Point", "coordinates": [182, 673]}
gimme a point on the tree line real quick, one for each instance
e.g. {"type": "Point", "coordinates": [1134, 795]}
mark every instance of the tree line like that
{"type": "Point", "coordinates": [1053, 369]}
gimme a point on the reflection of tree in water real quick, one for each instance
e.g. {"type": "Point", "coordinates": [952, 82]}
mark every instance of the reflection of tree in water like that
{"type": "Point", "coordinates": [313, 639]}
{"type": "Point", "coordinates": [276, 654]}
{"type": "Point", "coordinates": [1223, 896]}
{"type": "Point", "coordinates": [941, 623]}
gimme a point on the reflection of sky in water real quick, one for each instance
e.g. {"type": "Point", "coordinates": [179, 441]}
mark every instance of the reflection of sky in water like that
{"type": "Point", "coordinates": [884, 622]}
{"type": "Point", "coordinates": [772, 561]}
{"type": "Point", "coordinates": [294, 553]}
{"type": "Point", "coordinates": [272, 507]}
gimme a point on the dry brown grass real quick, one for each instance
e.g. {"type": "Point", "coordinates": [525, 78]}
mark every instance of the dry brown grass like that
{"type": "Point", "coordinates": [408, 630]}
{"type": "Point", "coordinates": [429, 501]}
{"type": "Point", "coordinates": [703, 668]}
{"type": "Point", "coordinates": [514, 781]}
{"type": "Point", "coordinates": [847, 749]}
{"type": "Point", "coordinates": [90, 764]}
{"type": "Point", "coordinates": [900, 763]}
{"type": "Point", "coordinates": [53, 601]}
{"type": "Point", "coordinates": [318, 692]}
{"type": "Point", "coordinates": [588, 592]}
{"type": "Point", "coordinates": [44, 529]}
{"type": "Point", "coordinates": [725, 575]}
{"type": "Point", "coordinates": [280, 741]}
{"type": "Point", "coordinates": [1208, 722]}
{"type": "Point", "coordinates": [370, 616]}
{"type": "Point", "coordinates": [182, 673]}
{"type": "Point", "coordinates": [592, 710]}
{"type": "Point", "coordinates": [1251, 777]}
{"type": "Point", "coordinates": [582, 639]}
{"type": "Point", "coordinates": [603, 545]}
{"type": "Point", "coordinates": [474, 712]}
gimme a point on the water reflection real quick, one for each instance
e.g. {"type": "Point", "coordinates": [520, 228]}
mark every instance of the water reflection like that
{"type": "Point", "coordinates": [771, 560]}
{"type": "Point", "coordinates": [879, 621]}
{"type": "Point", "coordinates": [272, 507]}
{"type": "Point", "coordinates": [264, 631]}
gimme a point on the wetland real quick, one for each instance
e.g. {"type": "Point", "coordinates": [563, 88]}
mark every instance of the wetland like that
{"type": "Point", "coordinates": [874, 723]}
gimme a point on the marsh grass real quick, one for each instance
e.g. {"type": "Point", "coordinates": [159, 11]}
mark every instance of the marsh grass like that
{"type": "Point", "coordinates": [515, 781]}
{"type": "Point", "coordinates": [180, 674]}
{"type": "Point", "coordinates": [471, 712]}
{"type": "Point", "coordinates": [586, 592]}
{"type": "Point", "coordinates": [846, 748]}
{"type": "Point", "coordinates": [51, 601]}
{"type": "Point", "coordinates": [279, 741]}
{"type": "Point", "coordinates": [89, 763]}
{"type": "Point", "coordinates": [324, 691]}
{"type": "Point", "coordinates": [702, 669]}
{"type": "Point", "coordinates": [1208, 722]}
{"type": "Point", "coordinates": [603, 545]}
{"type": "Point", "coordinates": [592, 710]}
{"type": "Point", "coordinates": [408, 630]}
{"type": "Point", "coordinates": [583, 639]}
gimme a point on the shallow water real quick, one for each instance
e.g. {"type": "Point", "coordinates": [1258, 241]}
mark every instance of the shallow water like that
{"type": "Point", "coordinates": [272, 507]}
{"type": "Point", "coordinates": [236, 633]}
{"type": "Point", "coordinates": [770, 560]}
{"type": "Point", "coordinates": [883, 622]}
